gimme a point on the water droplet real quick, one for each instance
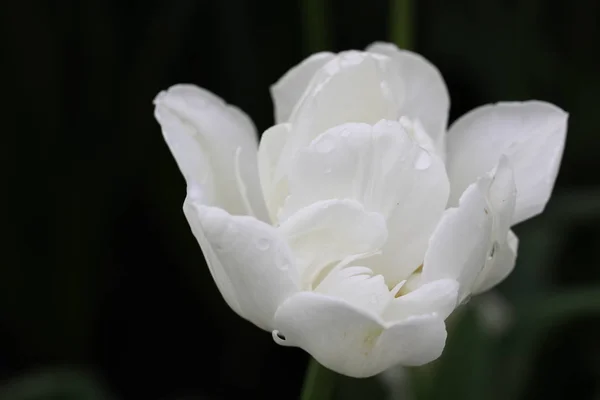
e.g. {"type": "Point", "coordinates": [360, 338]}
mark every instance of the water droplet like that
{"type": "Point", "coordinates": [284, 266]}
{"type": "Point", "coordinates": [324, 146]}
{"type": "Point", "coordinates": [423, 161]}
{"type": "Point", "coordinates": [263, 244]}
{"type": "Point", "coordinates": [328, 170]}
{"type": "Point", "coordinates": [345, 133]}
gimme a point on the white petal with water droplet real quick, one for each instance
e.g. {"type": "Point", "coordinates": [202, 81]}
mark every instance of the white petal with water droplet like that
{"type": "Point", "coordinates": [251, 263]}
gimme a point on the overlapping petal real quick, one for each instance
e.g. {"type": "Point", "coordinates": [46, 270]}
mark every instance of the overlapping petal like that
{"type": "Point", "coordinates": [384, 169]}
{"type": "Point", "coordinates": [531, 134]}
{"type": "Point", "coordinates": [329, 231]}
{"type": "Point", "coordinates": [215, 145]}
{"type": "Point", "coordinates": [288, 90]}
{"type": "Point", "coordinates": [354, 342]}
{"type": "Point", "coordinates": [424, 93]}
{"type": "Point", "coordinates": [459, 246]}
{"type": "Point", "coordinates": [250, 261]}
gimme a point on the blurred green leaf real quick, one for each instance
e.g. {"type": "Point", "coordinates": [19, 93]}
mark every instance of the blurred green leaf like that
{"type": "Point", "coordinates": [57, 384]}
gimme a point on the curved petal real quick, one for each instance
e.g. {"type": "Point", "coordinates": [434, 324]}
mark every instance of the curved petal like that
{"type": "Point", "coordinates": [353, 342]}
{"type": "Point", "coordinates": [202, 130]}
{"type": "Point", "coordinates": [359, 287]}
{"type": "Point", "coordinates": [425, 96]}
{"type": "Point", "coordinates": [459, 246]}
{"type": "Point", "coordinates": [531, 134]}
{"type": "Point", "coordinates": [352, 87]}
{"type": "Point", "coordinates": [413, 220]}
{"type": "Point", "coordinates": [501, 266]}
{"type": "Point", "coordinates": [251, 263]}
{"type": "Point", "coordinates": [329, 231]}
{"type": "Point", "coordinates": [381, 167]}
{"type": "Point", "coordinates": [502, 196]}
{"type": "Point", "coordinates": [289, 88]}
{"type": "Point", "coordinates": [269, 151]}
{"type": "Point", "coordinates": [438, 297]}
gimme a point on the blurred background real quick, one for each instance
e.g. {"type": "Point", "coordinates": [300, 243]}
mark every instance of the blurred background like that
{"type": "Point", "coordinates": [104, 293]}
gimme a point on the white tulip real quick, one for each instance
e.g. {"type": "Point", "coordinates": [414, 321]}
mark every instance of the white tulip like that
{"type": "Point", "coordinates": [360, 222]}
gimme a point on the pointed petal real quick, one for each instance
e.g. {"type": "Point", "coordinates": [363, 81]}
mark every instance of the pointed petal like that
{"type": "Point", "coordinates": [201, 131]}
{"type": "Point", "coordinates": [438, 297]}
{"type": "Point", "coordinates": [329, 231]}
{"type": "Point", "coordinates": [501, 266]}
{"type": "Point", "coordinates": [353, 342]}
{"type": "Point", "coordinates": [459, 246]}
{"type": "Point", "coordinates": [251, 263]}
{"type": "Point", "coordinates": [531, 134]}
{"type": "Point", "coordinates": [289, 88]}
{"type": "Point", "coordinates": [425, 95]}
{"type": "Point", "coordinates": [269, 151]}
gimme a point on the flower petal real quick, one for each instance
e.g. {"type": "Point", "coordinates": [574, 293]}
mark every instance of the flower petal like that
{"type": "Point", "coordinates": [502, 195]}
{"type": "Point", "coordinates": [353, 342]}
{"type": "Point", "coordinates": [201, 131]}
{"type": "Point", "coordinates": [532, 136]}
{"type": "Point", "coordinates": [501, 266]}
{"type": "Point", "coordinates": [289, 88]}
{"type": "Point", "coordinates": [381, 167]}
{"type": "Point", "coordinates": [359, 287]}
{"type": "Point", "coordinates": [251, 263]}
{"type": "Point", "coordinates": [438, 297]}
{"type": "Point", "coordinates": [425, 96]}
{"type": "Point", "coordinates": [352, 87]}
{"type": "Point", "coordinates": [459, 246]}
{"type": "Point", "coordinates": [269, 151]}
{"type": "Point", "coordinates": [329, 231]}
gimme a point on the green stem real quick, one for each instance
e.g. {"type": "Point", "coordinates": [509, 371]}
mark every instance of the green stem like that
{"type": "Point", "coordinates": [316, 34]}
{"type": "Point", "coordinates": [401, 23]}
{"type": "Point", "coordinates": [319, 382]}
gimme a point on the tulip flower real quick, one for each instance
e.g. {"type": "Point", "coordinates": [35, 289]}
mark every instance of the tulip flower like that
{"type": "Point", "coordinates": [360, 221]}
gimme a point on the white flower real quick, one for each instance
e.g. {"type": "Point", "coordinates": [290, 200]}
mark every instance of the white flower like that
{"type": "Point", "coordinates": [360, 223]}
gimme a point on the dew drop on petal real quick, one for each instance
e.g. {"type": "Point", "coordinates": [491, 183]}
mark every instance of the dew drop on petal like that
{"type": "Point", "coordinates": [283, 266]}
{"type": "Point", "coordinates": [263, 244]}
{"type": "Point", "coordinates": [423, 161]}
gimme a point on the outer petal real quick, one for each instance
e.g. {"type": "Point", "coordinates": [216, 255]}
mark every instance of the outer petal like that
{"type": "Point", "coordinates": [425, 95]}
{"type": "Point", "coordinates": [459, 246]}
{"type": "Point", "coordinates": [269, 151]}
{"type": "Point", "coordinates": [289, 88]}
{"type": "Point", "coordinates": [202, 130]}
{"type": "Point", "coordinates": [383, 168]}
{"type": "Point", "coordinates": [502, 194]}
{"type": "Point", "coordinates": [438, 297]}
{"type": "Point", "coordinates": [353, 342]}
{"type": "Point", "coordinates": [501, 266]}
{"type": "Point", "coordinates": [251, 263]}
{"type": "Point", "coordinates": [352, 87]}
{"type": "Point", "coordinates": [532, 135]}
{"type": "Point", "coordinates": [330, 231]}
{"type": "Point", "coordinates": [501, 197]}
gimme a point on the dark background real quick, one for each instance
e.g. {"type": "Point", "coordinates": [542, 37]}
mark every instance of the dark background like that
{"type": "Point", "coordinates": [104, 293]}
